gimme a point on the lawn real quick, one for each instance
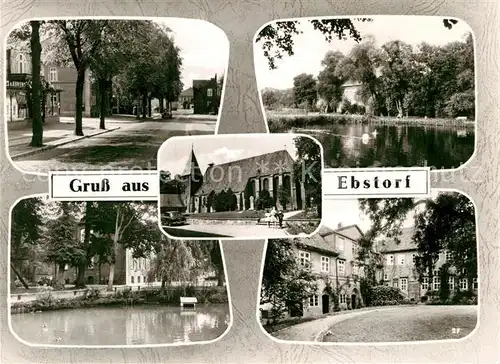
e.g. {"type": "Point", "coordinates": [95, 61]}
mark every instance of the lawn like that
{"type": "Point", "coordinates": [229, 215]}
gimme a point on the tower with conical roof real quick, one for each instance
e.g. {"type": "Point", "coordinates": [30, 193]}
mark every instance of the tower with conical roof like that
{"type": "Point", "coordinates": [193, 179]}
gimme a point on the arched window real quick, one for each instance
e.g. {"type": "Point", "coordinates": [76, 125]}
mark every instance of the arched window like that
{"type": "Point", "coordinates": [21, 63]}
{"type": "Point", "coordinates": [53, 74]}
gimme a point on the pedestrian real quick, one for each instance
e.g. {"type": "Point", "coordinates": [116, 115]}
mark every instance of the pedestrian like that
{"type": "Point", "coordinates": [280, 216]}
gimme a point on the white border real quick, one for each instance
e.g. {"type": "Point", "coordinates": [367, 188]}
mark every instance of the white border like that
{"type": "Point", "coordinates": [304, 19]}
{"type": "Point", "coordinates": [193, 138]}
{"type": "Point", "coordinates": [22, 341]}
{"type": "Point", "coordinates": [100, 17]}
{"type": "Point", "coordinates": [375, 343]}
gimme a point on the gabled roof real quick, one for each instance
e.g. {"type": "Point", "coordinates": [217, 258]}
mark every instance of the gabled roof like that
{"type": "Point", "coordinates": [406, 243]}
{"type": "Point", "coordinates": [317, 243]}
{"type": "Point", "coordinates": [187, 92]}
{"type": "Point", "coordinates": [235, 174]}
{"type": "Point", "coordinates": [352, 232]}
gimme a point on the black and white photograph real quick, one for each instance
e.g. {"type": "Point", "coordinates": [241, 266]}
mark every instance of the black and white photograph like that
{"type": "Point", "coordinates": [101, 273]}
{"type": "Point", "coordinates": [86, 94]}
{"type": "Point", "coordinates": [381, 91]}
{"type": "Point", "coordinates": [378, 271]}
{"type": "Point", "coordinates": [257, 185]}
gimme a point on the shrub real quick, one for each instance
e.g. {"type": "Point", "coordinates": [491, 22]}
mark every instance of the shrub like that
{"type": "Point", "coordinates": [386, 295]}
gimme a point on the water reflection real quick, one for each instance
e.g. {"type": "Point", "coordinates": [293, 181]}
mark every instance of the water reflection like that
{"type": "Point", "coordinates": [137, 325]}
{"type": "Point", "coordinates": [395, 146]}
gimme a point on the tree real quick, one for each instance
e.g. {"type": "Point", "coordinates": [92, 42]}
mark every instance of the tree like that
{"type": "Point", "coordinates": [331, 79]}
{"type": "Point", "coordinates": [283, 196]}
{"type": "Point", "coordinates": [36, 51]}
{"type": "Point", "coordinates": [285, 283]}
{"type": "Point", "coordinates": [269, 98]}
{"type": "Point", "coordinates": [264, 201]}
{"type": "Point", "coordinates": [26, 221]}
{"type": "Point", "coordinates": [307, 169]}
{"type": "Point", "coordinates": [277, 38]}
{"type": "Point", "coordinates": [304, 90]}
{"type": "Point", "coordinates": [80, 40]}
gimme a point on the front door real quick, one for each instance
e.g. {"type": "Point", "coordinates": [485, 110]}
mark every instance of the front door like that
{"type": "Point", "coordinates": [353, 301]}
{"type": "Point", "coordinates": [326, 303]}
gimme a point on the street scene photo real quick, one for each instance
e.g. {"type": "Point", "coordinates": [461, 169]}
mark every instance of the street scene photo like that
{"type": "Point", "coordinates": [385, 91]}
{"type": "Point", "coordinates": [379, 270]}
{"type": "Point", "coordinates": [244, 185]}
{"type": "Point", "coordinates": [102, 273]}
{"type": "Point", "coordinates": [105, 94]}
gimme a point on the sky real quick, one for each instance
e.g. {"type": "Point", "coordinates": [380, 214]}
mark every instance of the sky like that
{"type": "Point", "coordinates": [174, 154]}
{"type": "Point", "coordinates": [347, 212]}
{"type": "Point", "coordinates": [204, 48]}
{"type": "Point", "coordinates": [311, 46]}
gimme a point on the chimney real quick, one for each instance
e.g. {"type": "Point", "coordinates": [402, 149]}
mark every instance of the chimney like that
{"type": "Point", "coordinates": [210, 165]}
{"type": "Point", "coordinates": [339, 225]}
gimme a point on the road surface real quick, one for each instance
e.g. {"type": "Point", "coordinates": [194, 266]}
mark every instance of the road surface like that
{"type": "Point", "coordinates": [394, 324]}
{"type": "Point", "coordinates": [133, 146]}
{"type": "Point", "coordinates": [235, 231]}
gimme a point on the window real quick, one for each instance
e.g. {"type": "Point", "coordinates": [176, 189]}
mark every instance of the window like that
{"type": "Point", "coordinates": [425, 283]}
{"type": "Point", "coordinates": [341, 264]}
{"type": "Point", "coordinates": [342, 298]}
{"type": "Point", "coordinates": [390, 260]}
{"type": "Point", "coordinates": [325, 264]}
{"type": "Point", "coordinates": [448, 256]}
{"type": "Point", "coordinates": [134, 264]}
{"type": "Point", "coordinates": [53, 74]}
{"type": "Point", "coordinates": [82, 235]}
{"type": "Point", "coordinates": [353, 249]}
{"type": "Point", "coordinates": [314, 301]}
{"type": "Point", "coordinates": [131, 279]}
{"type": "Point", "coordinates": [414, 258]}
{"type": "Point", "coordinates": [401, 259]}
{"type": "Point", "coordinates": [22, 64]}
{"type": "Point", "coordinates": [436, 283]}
{"type": "Point", "coordinates": [386, 277]}
{"type": "Point", "coordinates": [403, 284]}
{"type": "Point", "coordinates": [463, 284]}
{"type": "Point", "coordinates": [305, 258]}
{"type": "Point", "coordinates": [210, 92]}
{"type": "Point", "coordinates": [451, 283]}
{"type": "Point", "coordinates": [340, 243]}
{"type": "Point", "coordinates": [355, 269]}
{"type": "Point", "coordinates": [475, 283]}
{"type": "Point", "coordinates": [138, 279]}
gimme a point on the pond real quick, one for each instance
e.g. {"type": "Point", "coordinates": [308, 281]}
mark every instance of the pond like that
{"type": "Point", "coordinates": [135, 325]}
{"type": "Point", "coordinates": [437, 147]}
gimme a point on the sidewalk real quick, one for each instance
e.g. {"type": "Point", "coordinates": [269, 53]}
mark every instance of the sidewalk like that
{"type": "Point", "coordinates": [54, 135]}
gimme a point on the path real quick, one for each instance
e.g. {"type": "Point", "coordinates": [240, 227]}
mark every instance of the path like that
{"type": "Point", "coordinates": [235, 231]}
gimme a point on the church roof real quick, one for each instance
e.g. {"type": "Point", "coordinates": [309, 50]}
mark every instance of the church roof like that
{"type": "Point", "coordinates": [405, 242]}
{"type": "Point", "coordinates": [235, 174]}
{"type": "Point", "coordinates": [191, 164]}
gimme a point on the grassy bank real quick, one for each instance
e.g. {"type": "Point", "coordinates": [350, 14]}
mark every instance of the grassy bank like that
{"type": "Point", "coordinates": [283, 123]}
{"type": "Point", "coordinates": [95, 298]}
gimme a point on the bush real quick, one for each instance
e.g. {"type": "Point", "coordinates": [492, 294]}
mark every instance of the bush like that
{"type": "Point", "coordinates": [464, 298]}
{"type": "Point", "coordinates": [386, 295]}
{"type": "Point", "coordinates": [282, 123]}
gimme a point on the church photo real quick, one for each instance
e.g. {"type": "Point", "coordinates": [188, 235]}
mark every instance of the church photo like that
{"type": "Point", "coordinates": [254, 185]}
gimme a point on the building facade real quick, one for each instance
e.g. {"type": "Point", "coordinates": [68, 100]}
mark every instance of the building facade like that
{"type": "Point", "coordinates": [186, 99]}
{"type": "Point", "coordinates": [400, 269]}
{"type": "Point", "coordinates": [246, 178]}
{"type": "Point", "coordinates": [331, 256]}
{"type": "Point", "coordinates": [206, 96]}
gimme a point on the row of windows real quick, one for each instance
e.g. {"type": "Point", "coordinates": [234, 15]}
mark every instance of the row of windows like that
{"type": "Point", "coordinates": [314, 299]}
{"type": "Point", "coordinates": [210, 92]}
{"type": "Point", "coordinates": [22, 68]}
{"type": "Point", "coordinates": [436, 283]}
{"type": "Point", "coordinates": [401, 258]}
{"type": "Point", "coordinates": [305, 261]}
{"type": "Point", "coordinates": [132, 278]}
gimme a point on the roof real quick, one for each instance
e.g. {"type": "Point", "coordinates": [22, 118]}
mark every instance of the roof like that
{"type": "Point", "coordinates": [171, 200]}
{"type": "Point", "coordinates": [192, 163]}
{"type": "Point", "coordinates": [352, 232]}
{"type": "Point", "coordinates": [187, 92]}
{"type": "Point", "coordinates": [406, 242]}
{"type": "Point", "coordinates": [201, 83]}
{"type": "Point", "coordinates": [235, 174]}
{"type": "Point", "coordinates": [316, 242]}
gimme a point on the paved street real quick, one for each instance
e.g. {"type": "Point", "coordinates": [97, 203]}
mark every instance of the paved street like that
{"type": "Point", "coordinates": [133, 146]}
{"type": "Point", "coordinates": [235, 231]}
{"type": "Point", "coordinates": [405, 323]}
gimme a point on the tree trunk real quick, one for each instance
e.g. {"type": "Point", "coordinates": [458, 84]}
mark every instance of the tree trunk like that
{"type": "Point", "coordinates": [18, 275]}
{"type": "Point", "coordinates": [44, 104]}
{"type": "Point", "coordinates": [138, 107]}
{"type": "Point", "coordinates": [111, 276]}
{"type": "Point", "coordinates": [220, 278]}
{"type": "Point", "coordinates": [144, 105]}
{"type": "Point", "coordinates": [102, 102]}
{"type": "Point", "coordinates": [161, 104]}
{"type": "Point", "coordinates": [150, 112]}
{"type": "Point", "coordinates": [113, 261]}
{"type": "Point", "coordinates": [59, 284]}
{"type": "Point", "coordinates": [36, 51]}
{"type": "Point", "coordinates": [80, 277]}
{"type": "Point", "coordinates": [80, 80]}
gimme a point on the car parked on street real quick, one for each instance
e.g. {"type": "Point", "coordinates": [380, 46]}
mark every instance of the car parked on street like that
{"type": "Point", "coordinates": [171, 218]}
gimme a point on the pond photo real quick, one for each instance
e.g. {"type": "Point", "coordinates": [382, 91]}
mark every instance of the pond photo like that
{"type": "Point", "coordinates": [374, 91]}
{"type": "Point", "coordinates": [102, 273]}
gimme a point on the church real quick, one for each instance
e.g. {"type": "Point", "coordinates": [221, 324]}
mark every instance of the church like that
{"type": "Point", "coordinates": [247, 178]}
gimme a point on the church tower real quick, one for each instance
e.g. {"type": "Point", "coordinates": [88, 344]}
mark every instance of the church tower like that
{"type": "Point", "coordinates": [193, 179]}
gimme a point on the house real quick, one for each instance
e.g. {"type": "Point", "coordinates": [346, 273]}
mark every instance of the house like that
{"type": "Point", "coordinates": [246, 178]}
{"type": "Point", "coordinates": [331, 256]}
{"type": "Point", "coordinates": [400, 269]}
{"type": "Point", "coordinates": [206, 96]}
{"type": "Point", "coordinates": [186, 98]}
